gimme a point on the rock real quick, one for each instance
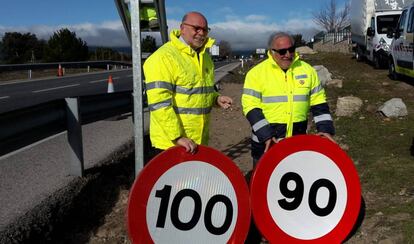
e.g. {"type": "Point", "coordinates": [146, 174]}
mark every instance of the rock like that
{"type": "Point", "coordinates": [371, 108]}
{"type": "Point", "coordinates": [334, 83]}
{"type": "Point", "coordinates": [394, 107]}
{"type": "Point", "coordinates": [347, 106]}
{"type": "Point", "coordinates": [305, 50]}
{"type": "Point", "coordinates": [323, 74]}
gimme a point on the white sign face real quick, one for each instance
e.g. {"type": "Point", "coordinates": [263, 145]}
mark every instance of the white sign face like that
{"type": "Point", "coordinates": [215, 50]}
{"type": "Point", "coordinates": [306, 195]}
{"type": "Point", "coordinates": [260, 51]}
{"type": "Point", "coordinates": [192, 202]}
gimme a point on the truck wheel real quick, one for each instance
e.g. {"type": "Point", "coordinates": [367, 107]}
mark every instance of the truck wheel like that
{"type": "Point", "coordinates": [376, 61]}
{"type": "Point", "coordinates": [391, 70]}
{"type": "Point", "coordinates": [358, 55]}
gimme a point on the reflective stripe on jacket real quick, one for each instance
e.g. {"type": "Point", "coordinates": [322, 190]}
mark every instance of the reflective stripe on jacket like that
{"type": "Point", "coordinates": [274, 97]}
{"type": "Point", "coordinates": [180, 89]}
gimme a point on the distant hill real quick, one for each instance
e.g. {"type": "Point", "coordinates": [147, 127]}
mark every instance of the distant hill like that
{"type": "Point", "coordinates": [244, 53]}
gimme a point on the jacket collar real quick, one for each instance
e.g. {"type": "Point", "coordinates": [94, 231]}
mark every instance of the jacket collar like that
{"type": "Point", "coordinates": [183, 47]}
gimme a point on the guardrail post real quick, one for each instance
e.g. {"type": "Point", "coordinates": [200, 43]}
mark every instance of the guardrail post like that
{"type": "Point", "coordinates": [74, 126]}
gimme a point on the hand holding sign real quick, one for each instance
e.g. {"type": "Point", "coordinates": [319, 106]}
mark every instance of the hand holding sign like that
{"type": "Point", "coordinates": [184, 198]}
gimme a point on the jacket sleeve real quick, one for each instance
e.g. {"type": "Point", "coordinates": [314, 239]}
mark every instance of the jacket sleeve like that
{"type": "Point", "coordinates": [319, 107]}
{"type": "Point", "coordinates": [252, 109]}
{"type": "Point", "coordinates": [160, 82]}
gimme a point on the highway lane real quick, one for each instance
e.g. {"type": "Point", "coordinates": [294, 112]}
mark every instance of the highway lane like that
{"type": "Point", "coordinates": [20, 94]}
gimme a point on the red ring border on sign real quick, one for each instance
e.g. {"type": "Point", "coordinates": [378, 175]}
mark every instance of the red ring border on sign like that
{"type": "Point", "coordinates": [270, 160]}
{"type": "Point", "coordinates": [141, 189]}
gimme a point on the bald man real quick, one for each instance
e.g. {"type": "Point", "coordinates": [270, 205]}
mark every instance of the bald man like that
{"type": "Point", "coordinates": [179, 79]}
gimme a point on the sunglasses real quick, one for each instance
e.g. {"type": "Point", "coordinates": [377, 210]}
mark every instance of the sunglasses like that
{"type": "Point", "coordinates": [198, 29]}
{"type": "Point", "coordinates": [284, 50]}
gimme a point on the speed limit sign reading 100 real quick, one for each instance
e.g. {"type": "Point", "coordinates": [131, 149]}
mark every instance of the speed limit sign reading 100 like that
{"type": "Point", "coordinates": [183, 198]}
{"type": "Point", "coordinates": [305, 189]}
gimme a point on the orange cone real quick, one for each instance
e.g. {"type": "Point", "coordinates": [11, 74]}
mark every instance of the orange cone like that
{"type": "Point", "coordinates": [60, 71]}
{"type": "Point", "coordinates": [110, 85]}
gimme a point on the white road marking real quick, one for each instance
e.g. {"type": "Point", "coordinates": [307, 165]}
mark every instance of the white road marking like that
{"type": "Point", "coordinates": [55, 88]}
{"type": "Point", "coordinates": [96, 81]}
{"type": "Point", "coordinates": [5, 97]}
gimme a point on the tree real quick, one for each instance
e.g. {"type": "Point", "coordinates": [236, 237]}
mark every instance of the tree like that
{"type": "Point", "coordinates": [224, 49]}
{"type": "Point", "coordinates": [331, 18]}
{"type": "Point", "coordinates": [298, 40]}
{"type": "Point", "coordinates": [21, 48]}
{"type": "Point", "coordinates": [105, 53]}
{"type": "Point", "coordinates": [148, 44]}
{"type": "Point", "coordinates": [63, 45]}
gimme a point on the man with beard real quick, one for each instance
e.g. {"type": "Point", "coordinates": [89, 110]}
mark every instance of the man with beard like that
{"type": "Point", "coordinates": [179, 81]}
{"type": "Point", "coordinates": [278, 94]}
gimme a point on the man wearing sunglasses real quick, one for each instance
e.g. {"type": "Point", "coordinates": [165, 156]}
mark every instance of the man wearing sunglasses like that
{"type": "Point", "coordinates": [179, 80]}
{"type": "Point", "coordinates": [278, 95]}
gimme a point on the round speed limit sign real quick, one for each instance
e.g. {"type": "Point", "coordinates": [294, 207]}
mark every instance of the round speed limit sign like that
{"type": "Point", "coordinates": [183, 198]}
{"type": "Point", "coordinates": [305, 189]}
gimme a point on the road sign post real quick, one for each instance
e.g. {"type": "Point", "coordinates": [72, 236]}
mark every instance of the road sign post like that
{"type": "Point", "coordinates": [305, 189]}
{"type": "Point", "coordinates": [183, 198]}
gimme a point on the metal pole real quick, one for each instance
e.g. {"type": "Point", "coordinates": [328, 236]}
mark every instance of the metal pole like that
{"type": "Point", "coordinates": [74, 125]}
{"type": "Point", "coordinates": [160, 6]}
{"type": "Point", "coordinates": [137, 79]}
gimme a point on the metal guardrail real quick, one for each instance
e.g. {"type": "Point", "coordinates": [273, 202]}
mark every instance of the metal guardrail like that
{"type": "Point", "coordinates": [25, 126]}
{"type": "Point", "coordinates": [36, 66]}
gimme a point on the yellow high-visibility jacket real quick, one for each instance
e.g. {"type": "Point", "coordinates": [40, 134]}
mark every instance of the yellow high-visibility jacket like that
{"type": "Point", "coordinates": [180, 89]}
{"type": "Point", "coordinates": [148, 13]}
{"type": "Point", "coordinates": [282, 99]}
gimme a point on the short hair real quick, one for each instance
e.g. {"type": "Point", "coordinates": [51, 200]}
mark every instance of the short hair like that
{"type": "Point", "coordinates": [277, 35]}
{"type": "Point", "coordinates": [192, 12]}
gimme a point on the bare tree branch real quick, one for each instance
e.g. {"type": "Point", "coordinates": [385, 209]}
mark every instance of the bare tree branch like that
{"type": "Point", "coordinates": [330, 18]}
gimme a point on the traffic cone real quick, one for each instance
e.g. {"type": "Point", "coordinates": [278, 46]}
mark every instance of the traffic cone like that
{"type": "Point", "coordinates": [110, 85]}
{"type": "Point", "coordinates": [60, 71]}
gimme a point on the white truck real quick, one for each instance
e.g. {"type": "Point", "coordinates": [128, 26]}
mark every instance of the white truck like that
{"type": "Point", "coordinates": [401, 59]}
{"type": "Point", "coordinates": [370, 22]}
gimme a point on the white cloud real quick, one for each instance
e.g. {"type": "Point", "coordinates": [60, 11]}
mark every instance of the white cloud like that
{"type": "Point", "coordinates": [255, 18]}
{"type": "Point", "coordinates": [108, 33]}
{"type": "Point", "coordinates": [250, 32]}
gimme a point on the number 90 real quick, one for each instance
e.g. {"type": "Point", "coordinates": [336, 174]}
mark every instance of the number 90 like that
{"type": "Point", "coordinates": [297, 194]}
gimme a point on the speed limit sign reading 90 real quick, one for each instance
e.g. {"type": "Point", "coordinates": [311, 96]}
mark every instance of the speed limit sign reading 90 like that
{"type": "Point", "coordinates": [184, 198]}
{"type": "Point", "coordinates": [305, 189]}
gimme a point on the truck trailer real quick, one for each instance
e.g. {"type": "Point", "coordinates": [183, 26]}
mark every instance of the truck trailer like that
{"type": "Point", "coordinates": [371, 20]}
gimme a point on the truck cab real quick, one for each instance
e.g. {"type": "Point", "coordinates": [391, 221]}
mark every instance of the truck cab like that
{"type": "Point", "coordinates": [377, 41]}
{"type": "Point", "coordinates": [376, 48]}
{"type": "Point", "coordinates": [402, 45]}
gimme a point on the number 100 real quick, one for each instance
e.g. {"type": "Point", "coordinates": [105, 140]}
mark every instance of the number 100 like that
{"type": "Point", "coordinates": [165, 193]}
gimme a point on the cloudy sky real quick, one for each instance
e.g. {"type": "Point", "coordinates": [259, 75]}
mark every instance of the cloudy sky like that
{"type": "Point", "coordinates": [245, 24]}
